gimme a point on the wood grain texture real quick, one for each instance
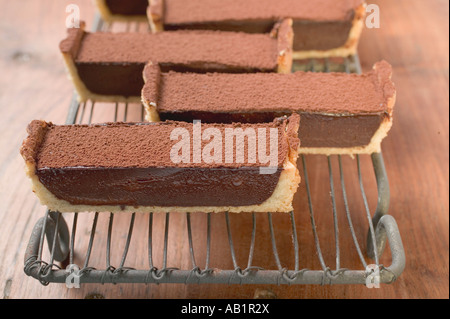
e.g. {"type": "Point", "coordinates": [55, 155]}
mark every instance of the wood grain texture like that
{"type": "Point", "coordinates": [413, 37]}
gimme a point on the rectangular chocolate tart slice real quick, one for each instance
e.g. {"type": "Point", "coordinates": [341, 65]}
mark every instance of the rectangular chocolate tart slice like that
{"type": "Point", "coordinates": [341, 113]}
{"type": "Point", "coordinates": [164, 167]}
{"type": "Point", "coordinates": [322, 28]}
{"type": "Point", "coordinates": [108, 66]}
{"type": "Point", "coordinates": [122, 10]}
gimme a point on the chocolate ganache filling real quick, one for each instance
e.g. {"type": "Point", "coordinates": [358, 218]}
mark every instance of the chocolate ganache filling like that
{"type": "Point", "coordinates": [128, 7]}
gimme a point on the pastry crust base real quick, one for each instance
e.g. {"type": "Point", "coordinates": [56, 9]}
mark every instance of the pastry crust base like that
{"type": "Point", "coordinates": [151, 113]}
{"type": "Point", "coordinates": [284, 34]}
{"type": "Point", "coordinates": [154, 15]}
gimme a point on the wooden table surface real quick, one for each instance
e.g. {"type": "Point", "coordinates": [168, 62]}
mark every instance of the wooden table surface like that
{"type": "Point", "coordinates": [413, 37]}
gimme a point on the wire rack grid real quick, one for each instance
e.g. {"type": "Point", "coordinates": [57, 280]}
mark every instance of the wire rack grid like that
{"type": "Point", "coordinates": [382, 228]}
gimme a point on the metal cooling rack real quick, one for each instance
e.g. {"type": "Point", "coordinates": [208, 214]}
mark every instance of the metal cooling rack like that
{"type": "Point", "coordinates": [382, 228]}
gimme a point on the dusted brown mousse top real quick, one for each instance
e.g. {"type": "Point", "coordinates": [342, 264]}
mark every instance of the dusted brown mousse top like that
{"type": "Point", "coordinates": [130, 165]}
{"type": "Point", "coordinates": [126, 144]}
{"type": "Point", "coordinates": [337, 93]}
{"type": "Point", "coordinates": [184, 12]}
{"type": "Point", "coordinates": [234, 49]}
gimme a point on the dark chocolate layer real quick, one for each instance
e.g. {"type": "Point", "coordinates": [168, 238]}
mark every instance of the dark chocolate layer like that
{"type": "Point", "coordinates": [184, 12]}
{"type": "Point", "coordinates": [316, 130]}
{"type": "Point", "coordinates": [320, 35]}
{"type": "Point", "coordinates": [124, 79]}
{"type": "Point", "coordinates": [166, 187]}
{"type": "Point", "coordinates": [127, 7]}
{"type": "Point", "coordinates": [259, 26]}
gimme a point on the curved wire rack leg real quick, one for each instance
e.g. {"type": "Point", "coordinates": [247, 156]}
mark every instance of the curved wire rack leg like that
{"type": "Point", "coordinates": [382, 205]}
{"type": "Point", "coordinates": [53, 227]}
{"type": "Point", "coordinates": [387, 231]}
